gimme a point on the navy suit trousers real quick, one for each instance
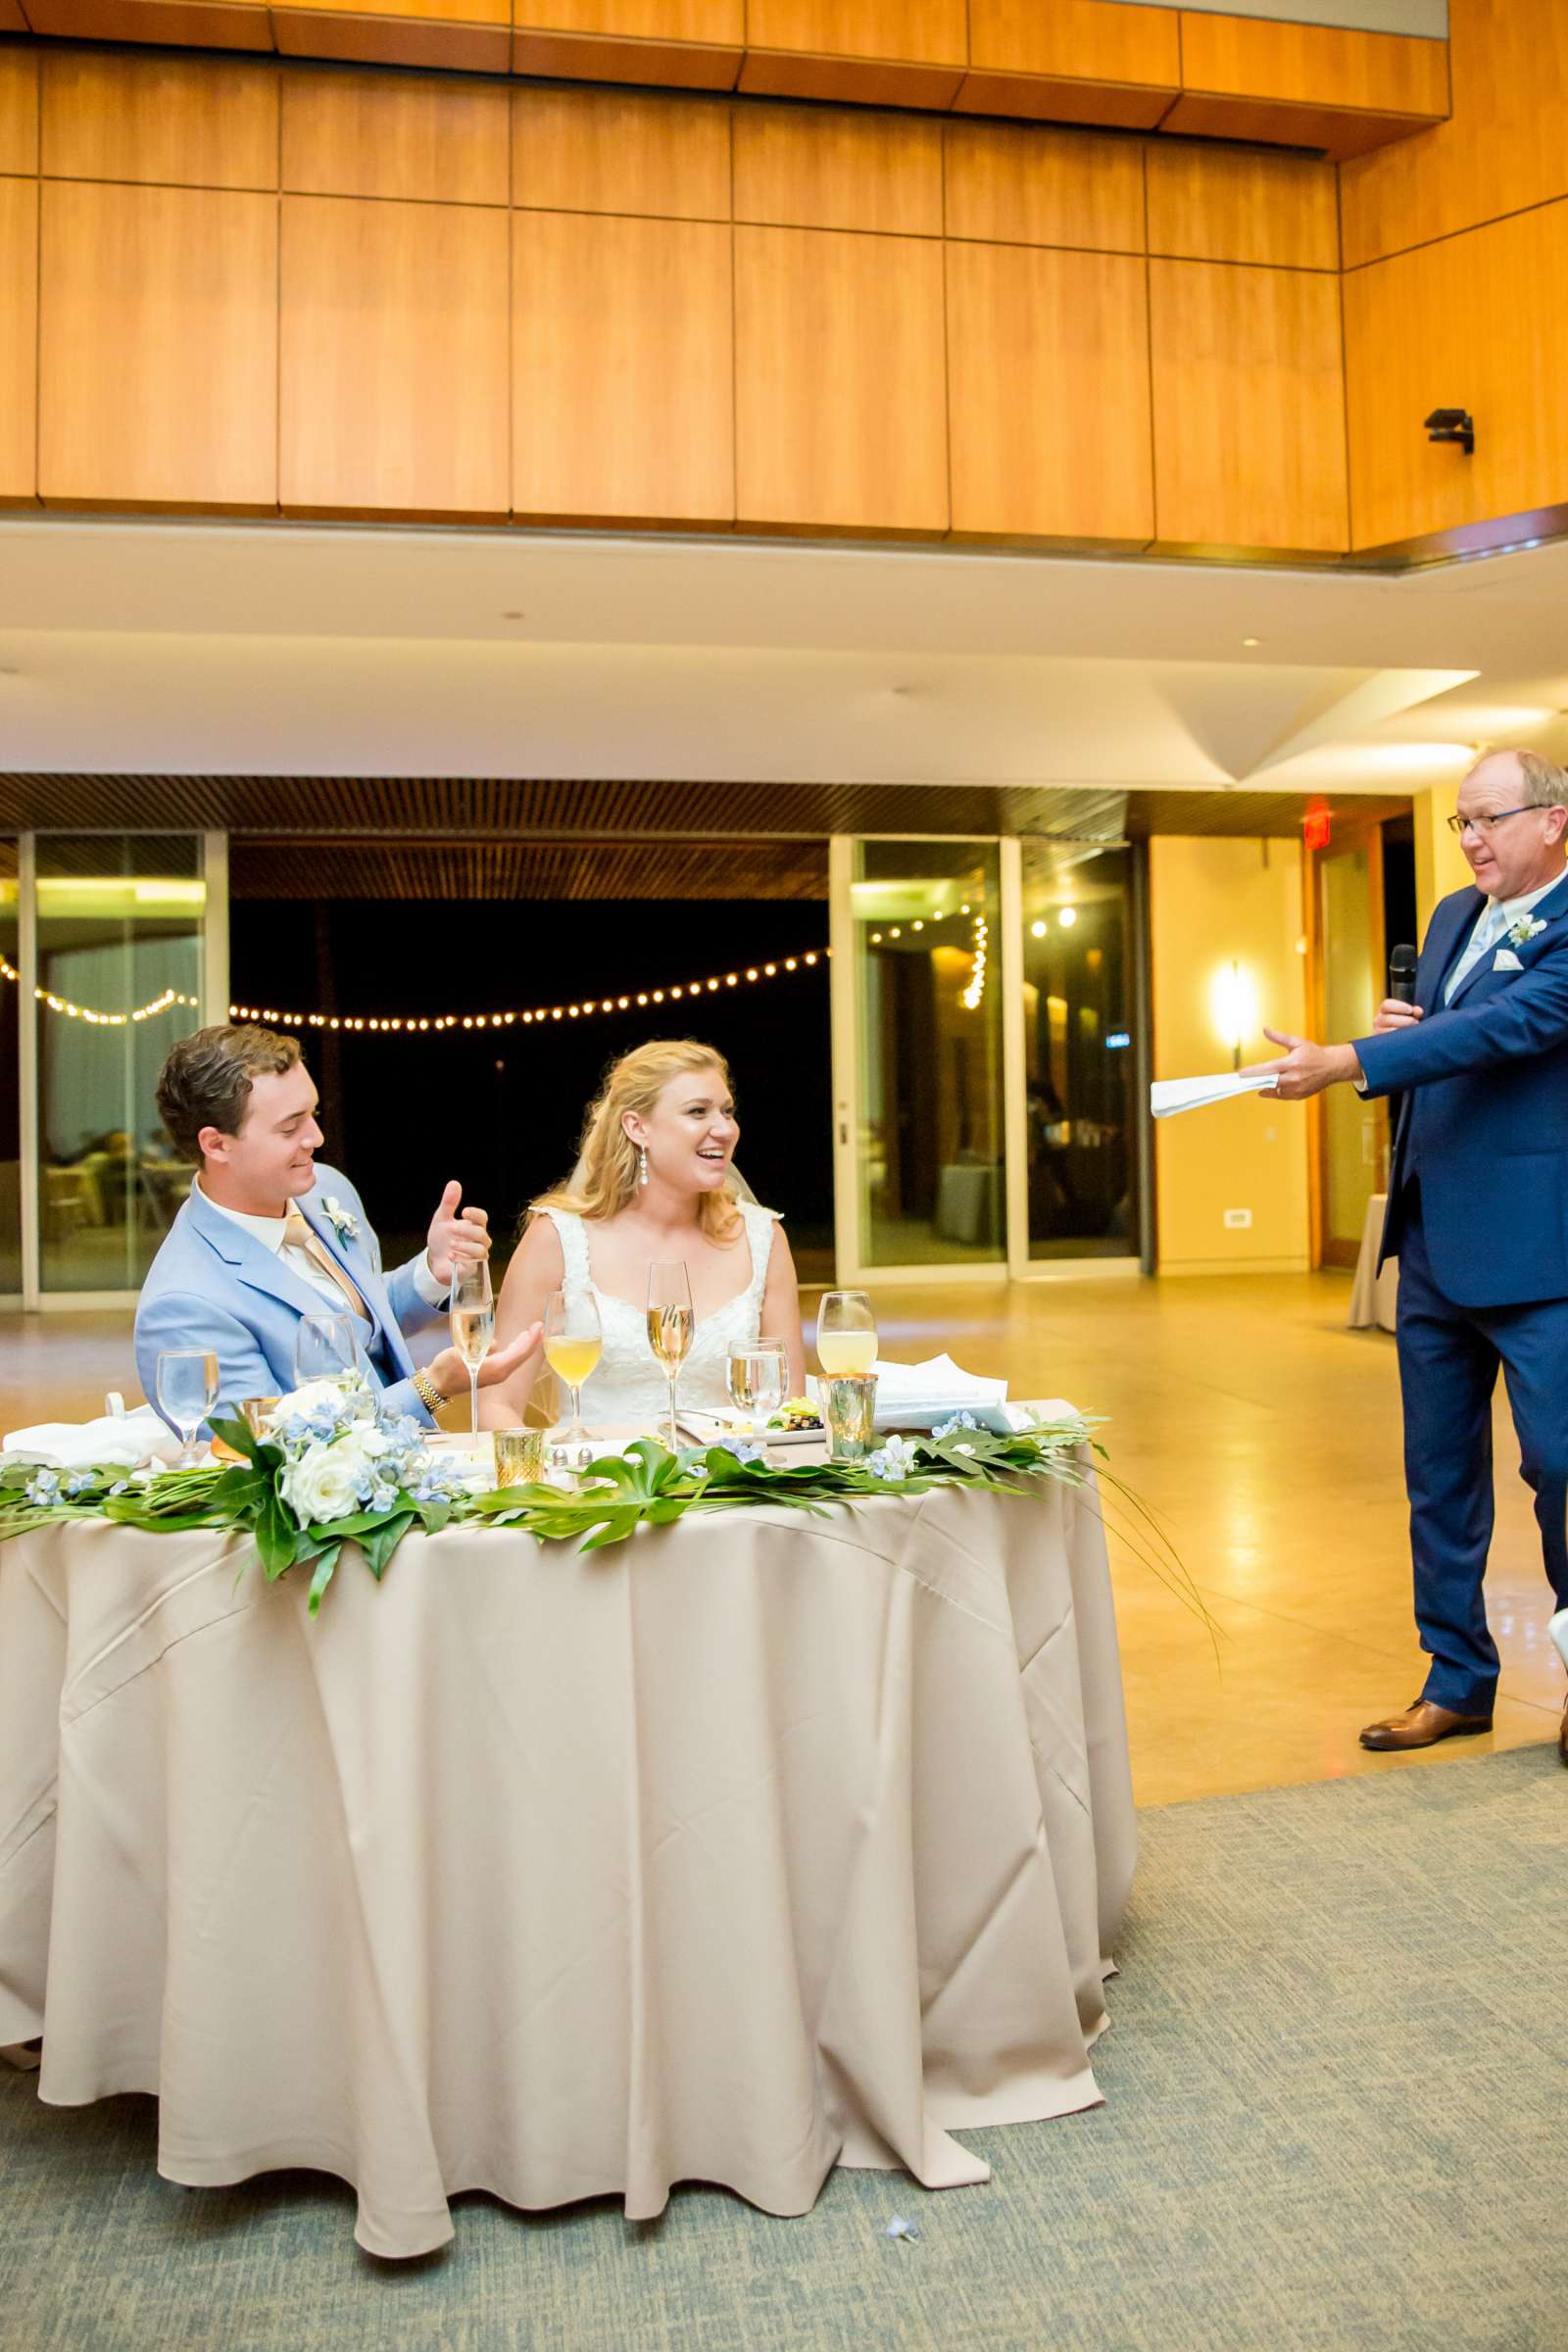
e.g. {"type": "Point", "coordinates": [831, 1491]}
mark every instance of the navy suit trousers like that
{"type": "Point", "coordinates": [1448, 1360]}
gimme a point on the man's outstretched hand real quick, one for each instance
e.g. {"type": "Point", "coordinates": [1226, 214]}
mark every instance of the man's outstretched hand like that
{"type": "Point", "coordinates": [1304, 1068]}
{"type": "Point", "coordinates": [458, 1236]}
{"type": "Point", "coordinates": [450, 1372]}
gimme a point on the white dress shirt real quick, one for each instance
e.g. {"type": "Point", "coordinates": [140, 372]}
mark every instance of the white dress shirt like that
{"type": "Point", "coordinates": [270, 1232]}
{"type": "Point", "coordinates": [1492, 927]}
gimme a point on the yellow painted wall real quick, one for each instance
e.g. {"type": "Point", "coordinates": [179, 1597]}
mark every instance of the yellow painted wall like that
{"type": "Point", "coordinates": [1211, 901]}
{"type": "Point", "coordinates": [1439, 862]}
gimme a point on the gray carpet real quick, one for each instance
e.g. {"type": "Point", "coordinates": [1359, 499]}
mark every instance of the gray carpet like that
{"type": "Point", "coordinates": [1336, 2119]}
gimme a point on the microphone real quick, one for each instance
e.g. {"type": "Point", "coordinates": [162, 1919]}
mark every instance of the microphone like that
{"type": "Point", "coordinates": [1401, 975]}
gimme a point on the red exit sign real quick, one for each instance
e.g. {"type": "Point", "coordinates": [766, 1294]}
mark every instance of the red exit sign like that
{"type": "Point", "coordinates": [1315, 828]}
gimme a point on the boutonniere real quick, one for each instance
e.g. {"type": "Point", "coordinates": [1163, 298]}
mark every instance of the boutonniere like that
{"type": "Point", "coordinates": [345, 1225]}
{"type": "Point", "coordinates": [1521, 932]}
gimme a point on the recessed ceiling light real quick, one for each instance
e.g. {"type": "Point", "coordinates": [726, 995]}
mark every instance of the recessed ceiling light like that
{"type": "Point", "coordinates": [514, 615]}
{"type": "Point", "coordinates": [1252, 641]}
{"type": "Point", "coordinates": [1067, 917]}
{"type": "Point", "coordinates": [1037, 929]}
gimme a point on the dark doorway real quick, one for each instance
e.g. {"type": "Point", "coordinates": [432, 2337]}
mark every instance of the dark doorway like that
{"type": "Point", "coordinates": [501, 1109]}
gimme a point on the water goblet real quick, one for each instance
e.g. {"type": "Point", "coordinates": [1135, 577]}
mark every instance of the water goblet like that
{"type": "Point", "coordinates": [187, 1391]}
{"type": "Point", "coordinates": [846, 1333]}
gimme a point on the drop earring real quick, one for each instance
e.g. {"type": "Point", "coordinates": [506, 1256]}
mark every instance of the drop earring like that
{"type": "Point", "coordinates": [642, 1165]}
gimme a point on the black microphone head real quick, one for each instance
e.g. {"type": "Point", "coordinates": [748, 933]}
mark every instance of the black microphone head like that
{"type": "Point", "coordinates": [1402, 974]}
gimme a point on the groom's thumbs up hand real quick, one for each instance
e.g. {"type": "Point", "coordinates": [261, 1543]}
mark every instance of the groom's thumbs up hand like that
{"type": "Point", "coordinates": [458, 1236]}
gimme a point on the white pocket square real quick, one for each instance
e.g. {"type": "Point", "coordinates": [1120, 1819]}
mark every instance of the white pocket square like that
{"type": "Point", "coordinates": [1505, 960]}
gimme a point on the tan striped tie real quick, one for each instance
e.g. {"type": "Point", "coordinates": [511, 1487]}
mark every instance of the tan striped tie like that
{"type": "Point", "coordinates": [298, 1234]}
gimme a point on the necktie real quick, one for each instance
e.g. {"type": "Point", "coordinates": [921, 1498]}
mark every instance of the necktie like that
{"type": "Point", "coordinates": [298, 1235]}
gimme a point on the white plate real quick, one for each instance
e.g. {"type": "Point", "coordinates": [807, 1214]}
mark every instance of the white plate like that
{"type": "Point", "coordinates": [712, 1429]}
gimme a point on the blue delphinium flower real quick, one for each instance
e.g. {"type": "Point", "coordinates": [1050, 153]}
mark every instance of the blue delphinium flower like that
{"type": "Point", "coordinates": [79, 1483]}
{"type": "Point", "coordinates": [894, 1460]}
{"type": "Point", "coordinates": [746, 1450]}
{"type": "Point", "coordinates": [43, 1489]}
{"type": "Point", "coordinates": [945, 1429]}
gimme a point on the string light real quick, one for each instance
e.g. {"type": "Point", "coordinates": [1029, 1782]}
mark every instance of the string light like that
{"type": "Point", "coordinates": [401, 1024]}
{"type": "Point", "coordinates": [971, 999]}
{"type": "Point", "coordinates": [90, 1012]}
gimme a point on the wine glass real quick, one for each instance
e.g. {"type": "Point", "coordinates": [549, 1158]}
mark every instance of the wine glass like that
{"type": "Point", "coordinates": [472, 1310]}
{"type": "Point", "coordinates": [187, 1391]}
{"type": "Point", "coordinates": [757, 1375]}
{"type": "Point", "coordinates": [325, 1347]}
{"type": "Point", "coordinates": [573, 1344]}
{"type": "Point", "coordinates": [671, 1325]}
{"type": "Point", "coordinates": [846, 1334]}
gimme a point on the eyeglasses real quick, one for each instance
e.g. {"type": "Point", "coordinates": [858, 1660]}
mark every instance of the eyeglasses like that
{"type": "Point", "coordinates": [1481, 826]}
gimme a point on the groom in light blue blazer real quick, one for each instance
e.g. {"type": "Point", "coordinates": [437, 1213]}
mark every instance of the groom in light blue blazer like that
{"type": "Point", "coordinates": [268, 1236]}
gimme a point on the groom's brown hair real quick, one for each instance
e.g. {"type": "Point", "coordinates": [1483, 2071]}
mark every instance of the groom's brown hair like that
{"type": "Point", "coordinates": [205, 1080]}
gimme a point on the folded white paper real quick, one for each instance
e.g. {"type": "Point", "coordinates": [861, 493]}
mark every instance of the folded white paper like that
{"type": "Point", "coordinates": [1168, 1096]}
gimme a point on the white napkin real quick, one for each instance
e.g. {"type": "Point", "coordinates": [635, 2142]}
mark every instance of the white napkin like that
{"type": "Point", "coordinates": [127, 1440]}
{"type": "Point", "coordinates": [1168, 1096]}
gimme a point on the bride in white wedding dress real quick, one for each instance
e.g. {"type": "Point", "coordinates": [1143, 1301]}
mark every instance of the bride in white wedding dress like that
{"type": "Point", "coordinates": [654, 1181]}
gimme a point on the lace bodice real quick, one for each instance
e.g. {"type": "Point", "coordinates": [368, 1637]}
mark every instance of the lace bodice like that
{"type": "Point", "coordinates": [629, 1384]}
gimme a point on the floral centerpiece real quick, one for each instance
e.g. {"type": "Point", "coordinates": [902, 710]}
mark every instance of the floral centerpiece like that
{"type": "Point", "coordinates": [329, 1466]}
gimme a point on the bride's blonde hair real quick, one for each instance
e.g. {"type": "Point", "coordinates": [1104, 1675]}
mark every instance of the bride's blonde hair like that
{"type": "Point", "coordinates": [605, 1178]}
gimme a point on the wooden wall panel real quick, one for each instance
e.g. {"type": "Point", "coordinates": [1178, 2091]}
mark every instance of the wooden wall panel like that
{"type": "Point", "coordinates": [1014, 186]}
{"type": "Point", "coordinates": [615, 151]}
{"type": "Point", "coordinates": [1251, 57]}
{"type": "Point", "coordinates": [1229, 204]}
{"type": "Point", "coordinates": [180, 24]}
{"type": "Point", "coordinates": [875, 52]}
{"type": "Point", "coordinates": [1312, 85]}
{"type": "Point", "coordinates": [1506, 149]}
{"type": "Point", "coordinates": [470, 36]}
{"type": "Point", "coordinates": [166, 120]}
{"type": "Point", "coordinates": [18, 345]}
{"type": "Point", "coordinates": [12, 19]}
{"type": "Point", "coordinates": [19, 109]}
{"type": "Point", "coordinates": [720, 22]}
{"type": "Point", "coordinates": [623, 368]}
{"type": "Point", "coordinates": [1069, 61]}
{"type": "Point", "coordinates": [1248, 407]}
{"type": "Point", "coordinates": [427, 137]}
{"type": "Point", "coordinates": [840, 392]}
{"type": "Point", "coordinates": [158, 346]}
{"type": "Point", "coordinates": [819, 169]}
{"type": "Point", "coordinates": [1047, 358]}
{"type": "Point", "coordinates": [1449, 325]}
{"type": "Point", "coordinates": [393, 357]}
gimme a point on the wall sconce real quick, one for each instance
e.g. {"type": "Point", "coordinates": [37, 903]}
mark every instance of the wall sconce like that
{"type": "Point", "coordinates": [1233, 1003]}
{"type": "Point", "coordinates": [1453, 424]}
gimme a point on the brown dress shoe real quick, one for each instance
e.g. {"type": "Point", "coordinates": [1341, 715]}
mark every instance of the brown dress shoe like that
{"type": "Point", "coordinates": [1423, 1726]}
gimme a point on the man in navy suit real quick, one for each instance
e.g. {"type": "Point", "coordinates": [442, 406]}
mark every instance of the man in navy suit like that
{"type": "Point", "coordinates": [1478, 1217]}
{"type": "Point", "coordinates": [268, 1236]}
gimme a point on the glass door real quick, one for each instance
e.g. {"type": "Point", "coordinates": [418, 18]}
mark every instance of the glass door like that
{"type": "Point", "coordinates": [919, 1153]}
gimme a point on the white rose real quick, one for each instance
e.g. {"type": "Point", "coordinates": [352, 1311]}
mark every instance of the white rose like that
{"type": "Point", "coordinates": [323, 1483]}
{"type": "Point", "coordinates": [305, 1399]}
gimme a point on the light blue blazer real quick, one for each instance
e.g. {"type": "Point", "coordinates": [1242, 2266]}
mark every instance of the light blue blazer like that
{"type": "Point", "coordinates": [214, 1284]}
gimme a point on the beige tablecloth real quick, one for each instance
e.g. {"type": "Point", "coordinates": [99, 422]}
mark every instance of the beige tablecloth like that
{"type": "Point", "coordinates": [756, 1845]}
{"type": "Point", "coordinates": [1374, 1296]}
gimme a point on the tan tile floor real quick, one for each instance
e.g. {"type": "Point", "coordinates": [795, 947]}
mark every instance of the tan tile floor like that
{"type": "Point", "coordinates": [1267, 1437]}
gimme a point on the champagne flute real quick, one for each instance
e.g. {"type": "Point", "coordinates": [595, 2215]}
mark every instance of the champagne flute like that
{"type": "Point", "coordinates": [757, 1375]}
{"type": "Point", "coordinates": [325, 1348]}
{"type": "Point", "coordinates": [573, 1344]}
{"type": "Point", "coordinates": [472, 1310]}
{"type": "Point", "coordinates": [671, 1326]}
{"type": "Point", "coordinates": [187, 1391]}
{"type": "Point", "coordinates": [846, 1334]}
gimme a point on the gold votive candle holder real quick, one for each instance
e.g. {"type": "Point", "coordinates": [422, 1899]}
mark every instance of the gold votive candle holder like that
{"type": "Point", "coordinates": [521, 1456]}
{"type": "Point", "coordinates": [850, 1415]}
